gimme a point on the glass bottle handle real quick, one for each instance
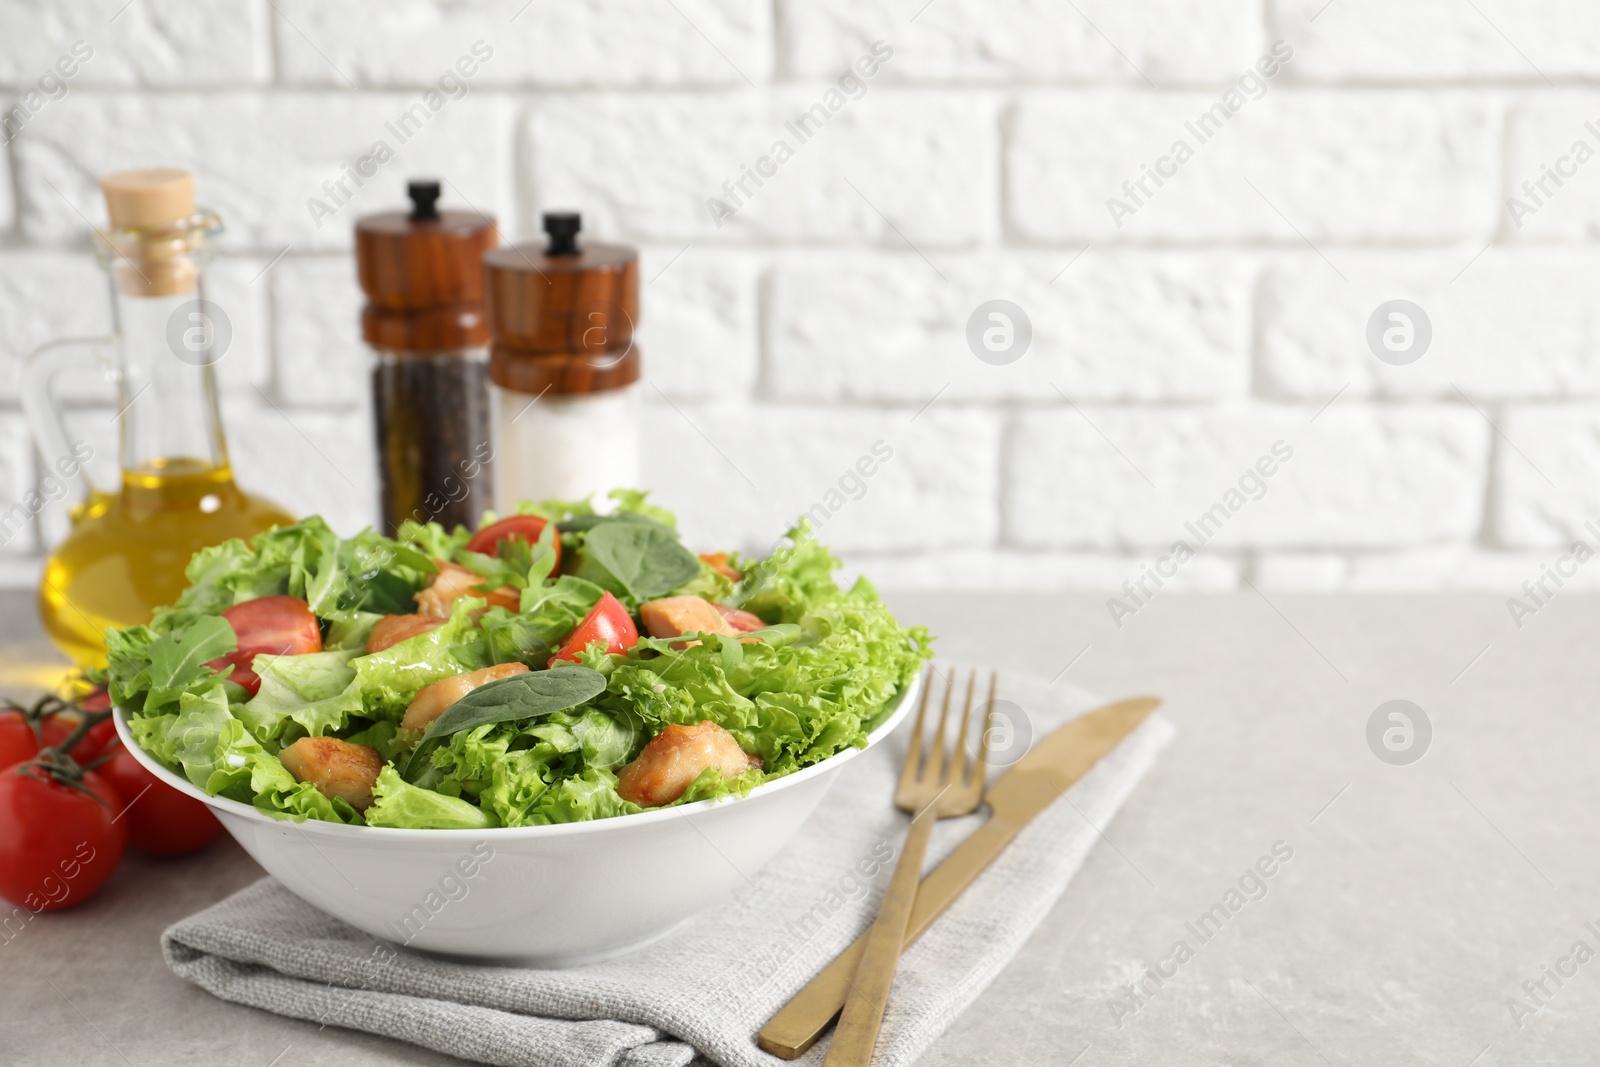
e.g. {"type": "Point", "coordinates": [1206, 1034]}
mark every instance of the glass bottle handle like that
{"type": "Point", "coordinates": [46, 421]}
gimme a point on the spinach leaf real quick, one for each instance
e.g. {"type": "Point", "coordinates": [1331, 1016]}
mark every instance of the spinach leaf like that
{"type": "Point", "coordinates": [178, 659]}
{"type": "Point", "coordinates": [522, 696]}
{"type": "Point", "coordinates": [585, 523]}
{"type": "Point", "coordinates": [645, 558]}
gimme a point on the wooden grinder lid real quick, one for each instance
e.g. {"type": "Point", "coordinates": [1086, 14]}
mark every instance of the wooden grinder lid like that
{"type": "Point", "coordinates": [576, 305]}
{"type": "Point", "coordinates": [422, 275]}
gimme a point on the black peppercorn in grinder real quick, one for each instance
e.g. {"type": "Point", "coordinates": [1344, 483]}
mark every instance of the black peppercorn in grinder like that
{"type": "Point", "coordinates": [422, 275]}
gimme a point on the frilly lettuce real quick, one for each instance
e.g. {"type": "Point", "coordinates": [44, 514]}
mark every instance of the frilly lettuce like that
{"type": "Point", "coordinates": [399, 803]}
{"type": "Point", "coordinates": [217, 753]}
{"type": "Point", "coordinates": [317, 690]}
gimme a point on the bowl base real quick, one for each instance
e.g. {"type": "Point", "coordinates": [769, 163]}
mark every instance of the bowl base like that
{"type": "Point", "coordinates": [556, 962]}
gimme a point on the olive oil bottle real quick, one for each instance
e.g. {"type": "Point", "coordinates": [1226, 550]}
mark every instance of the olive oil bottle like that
{"type": "Point", "coordinates": [129, 546]}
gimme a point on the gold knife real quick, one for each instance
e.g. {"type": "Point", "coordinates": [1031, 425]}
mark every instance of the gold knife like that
{"type": "Point", "coordinates": [1038, 780]}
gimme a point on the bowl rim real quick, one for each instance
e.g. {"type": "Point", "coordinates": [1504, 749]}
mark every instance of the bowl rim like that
{"type": "Point", "coordinates": [904, 699]}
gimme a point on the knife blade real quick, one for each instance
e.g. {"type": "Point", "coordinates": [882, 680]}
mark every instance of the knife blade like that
{"type": "Point", "coordinates": [1032, 785]}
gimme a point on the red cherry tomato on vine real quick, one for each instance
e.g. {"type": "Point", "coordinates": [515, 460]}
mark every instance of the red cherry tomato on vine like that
{"type": "Point", "coordinates": [161, 820]}
{"type": "Point", "coordinates": [517, 528]}
{"type": "Point", "coordinates": [607, 621]}
{"type": "Point", "coordinates": [58, 727]}
{"type": "Point", "coordinates": [58, 844]}
{"type": "Point", "coordinates": [18, 742]}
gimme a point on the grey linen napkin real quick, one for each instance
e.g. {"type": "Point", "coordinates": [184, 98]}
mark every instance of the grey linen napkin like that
{"type": "Point", "coordinates": [711, 985]}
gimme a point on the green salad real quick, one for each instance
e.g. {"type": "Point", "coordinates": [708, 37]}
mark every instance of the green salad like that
{"type": "Point", "coordinates": [558, 664]}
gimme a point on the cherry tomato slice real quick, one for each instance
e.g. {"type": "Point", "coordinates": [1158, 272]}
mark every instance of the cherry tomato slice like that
{"type": "Point", "coordinates": [517, 528]}
{"type": "Point", "coordinates": [58, 844]}
{"type": "Point", "coordinates": [743, 621]}
{"type": "Point", "coordinates": [270, 625]}
{"type": "Point", "coordinates": [607, 621]}
{"type": "Point", "coordinates": [281, 625]}
{"type": "Point", "coordinates": [161, 820]}
{"type": "Point", "coordinates": [240, 660]}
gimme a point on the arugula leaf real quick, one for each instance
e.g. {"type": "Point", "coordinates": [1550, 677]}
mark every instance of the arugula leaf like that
{"type": "Point", "coordinates": [178, 659]}
{"type": "Point", "coordinates": [645, 560]}
{"type": "Point", "coordinates": [522, 696]}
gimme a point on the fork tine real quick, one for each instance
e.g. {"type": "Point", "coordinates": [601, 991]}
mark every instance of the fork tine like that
{"type": "Point", "coordinates": [934, 766]}
{"type": "Point", "coordinates": [958, 754]}
{"type": "Point", "coordinates": [909, 771]}
{"type": "Point", "coordinates": [980, 766]}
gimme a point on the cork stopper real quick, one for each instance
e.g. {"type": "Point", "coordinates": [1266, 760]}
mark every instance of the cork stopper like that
{"type": "Point", "coordinates": [570, 307]}
{"type": "Point", "coordinates": [157, 237]}
{"type": "Point", "coordinates": [151, 196]}
{"type": "Point", "coordinates": [421, 270]}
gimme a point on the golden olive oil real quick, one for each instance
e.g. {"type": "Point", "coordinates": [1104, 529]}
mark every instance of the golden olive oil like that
{"type": "Point", "coordinates": [127, 550]}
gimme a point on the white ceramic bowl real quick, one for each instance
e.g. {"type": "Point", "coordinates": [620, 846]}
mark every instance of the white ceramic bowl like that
{"type": "Point", "coordinates": [549, 896]}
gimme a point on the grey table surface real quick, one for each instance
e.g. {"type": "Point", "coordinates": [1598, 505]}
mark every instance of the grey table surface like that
{"type": "Point", "coordinates": [1418, 901]}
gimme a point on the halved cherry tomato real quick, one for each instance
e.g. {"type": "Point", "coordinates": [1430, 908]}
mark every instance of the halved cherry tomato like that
{"type": "Point", "coordinates": [161, 820]}
{"type": "Point", "coordinates": [58, 844]}
{"type": "Point", "coordinates": [743, 621]}
{"type": "Point", "coordinates": [269, 625]}
{"type": "Point", "coordinates": [517, 528]}
{"type": "Point", "coordinates": [281, 625]}
{"type": "Point", "coordinates": [240, 660]}
{"type": "Point", "coordinates": [607, 621]}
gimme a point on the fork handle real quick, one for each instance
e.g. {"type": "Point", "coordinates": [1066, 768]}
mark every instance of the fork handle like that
{"type": "Point", "coordinates": [857, 1033]}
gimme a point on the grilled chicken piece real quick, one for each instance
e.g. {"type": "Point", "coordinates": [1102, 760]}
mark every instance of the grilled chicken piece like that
{"type": "Point", "coordinates": [676, 615]}
{"type": "Point", "coordinates": [392, 629]}
{"type": "Point", "coordinates": [675, 757]}
{"type": "Point", "coordinates": [451, 582]}
{"type": "Point", "coordinates": [432, 700]}
{"type": "Point", "coordinates": [339, 769]}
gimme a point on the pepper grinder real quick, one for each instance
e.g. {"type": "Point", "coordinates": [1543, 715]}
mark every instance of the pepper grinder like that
{"type": "Point", "coordinates": [424, 324]}
{"type": "Point", "coordinates": [563, 367]}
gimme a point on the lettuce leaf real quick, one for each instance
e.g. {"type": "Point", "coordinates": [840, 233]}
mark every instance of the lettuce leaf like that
{"type": "Point", "coordinates": [318, 690]}
{"type": "Point", "coordinates": [387, 680]}
{"type": "Point", "coordinates": [782, 587]}
{"type": "Point", "coordinates": [549, 612]}
{"type": "Point", "coordinates": [401, 804]}
{"type": "Point", "coordinates": [591, 795]}
{"type": "Point", "coordinates": [368, 572]}
{"type": "Point", "coordinates": [217, 753]}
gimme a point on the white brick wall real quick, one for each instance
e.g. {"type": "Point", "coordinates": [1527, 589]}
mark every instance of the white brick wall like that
{"type": "Point", "coordinates": [831, 311]}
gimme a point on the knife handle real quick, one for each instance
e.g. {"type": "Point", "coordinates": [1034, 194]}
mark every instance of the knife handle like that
{"type": "Point", "coordinates": [797, 1026]}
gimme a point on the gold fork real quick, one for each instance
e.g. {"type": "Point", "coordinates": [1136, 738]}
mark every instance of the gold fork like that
{"type": "Point", "coordinates": [931, 788]}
